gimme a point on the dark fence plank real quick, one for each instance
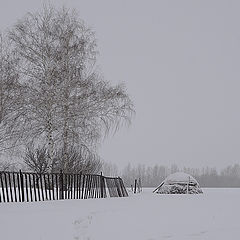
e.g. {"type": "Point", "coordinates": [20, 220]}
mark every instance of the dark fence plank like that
{"type": "Point", "coordinates": [53, 189]}
{"type": "Point", "coordinates": [6, 186]}
{"type": "Point", "coordinates": [34, 187]}
{"type": "Point", "coordinates": [41, 185]}
{"type": "Point", "coordinates": [2, 186]}
{"type": "Point", "coordinates": [22, 185]}
{"type": "Point", "coordinates": [26, 187]}
{"type": "Point", "coordinates": [45, 186]}
{"type": "Point", "coordinates": [91, 188]}
{"type": "Point", "coordinates": [30, 186]}
{"type": "Point", "coordinates": [83, 182]}
{"type": "Point", "coordinates": [14, 186]}
{"type": "Point", "coordinates": [64, 186]}
{"type": "Point", "coordinates": [38, 186]}
{"type": "Point", "coordinates": [104, 187]}
{"type": "Point", "coordinates": [87, 186]}
{"type": "Point", "coordinates": [79, 186]}
{"type": "Point", "coordinates": [19, 187]}
{"type": "Point", "coordinates": [10, 186]}
{"type": "Point", "coordinates": [100, 187]}
{"type": "Point", "coordinates": [49, 187]}
{"type": "Point", "coordinates": [94, 186]}
{"type": "Point", "coordinates": [61, 185]}
{"type": "Point", "coordinates": [71, 185]}
{"type": "Point", "coordinates": [95, 194]}
{"type": "Point", "coordinates": [68, 185]}
{"type": "Point", "coordinates": [57, 185]}
{"type": "Point", "coordinates": [74, 186]}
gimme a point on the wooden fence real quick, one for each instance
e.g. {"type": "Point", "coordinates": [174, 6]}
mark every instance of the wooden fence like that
{"type": "Point", "coordinates": [28, 187]}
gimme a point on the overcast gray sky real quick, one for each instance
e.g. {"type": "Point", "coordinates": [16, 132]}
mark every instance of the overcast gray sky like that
{"type": "Point", "coordinates": [180, 61]}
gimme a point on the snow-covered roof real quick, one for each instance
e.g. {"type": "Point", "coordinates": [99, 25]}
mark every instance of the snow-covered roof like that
{"type": "Point", "coordinates": [180, 177]}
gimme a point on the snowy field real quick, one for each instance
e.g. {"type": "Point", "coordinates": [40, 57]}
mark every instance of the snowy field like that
{"type": "Point", "coordinates": [213, 215]}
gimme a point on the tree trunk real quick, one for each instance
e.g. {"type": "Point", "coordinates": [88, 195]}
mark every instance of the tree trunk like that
{"type": "Point", "coordinates": [50, 137]}
{"type": "Point", "coordinates": [65, 137]}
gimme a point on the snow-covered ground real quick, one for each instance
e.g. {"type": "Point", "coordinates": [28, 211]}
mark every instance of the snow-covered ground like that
{"type": "Point", "coordinates": [214, 215]}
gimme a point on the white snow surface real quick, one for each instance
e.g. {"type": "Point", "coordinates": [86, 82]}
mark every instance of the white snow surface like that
{"type": "Point", "coordinates": [213, 215]}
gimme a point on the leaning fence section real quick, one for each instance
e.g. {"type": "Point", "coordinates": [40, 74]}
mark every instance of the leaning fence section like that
{"type": "Point", "coordinates": [29, 187]}
{"type": "Point", "coordinates": [116, 187]}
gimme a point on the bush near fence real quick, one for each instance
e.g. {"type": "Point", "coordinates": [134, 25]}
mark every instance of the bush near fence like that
{"type": "Point", "coordinates": [28, 187]}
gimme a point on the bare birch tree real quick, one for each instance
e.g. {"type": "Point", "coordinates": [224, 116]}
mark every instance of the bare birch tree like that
{"type": "Point", "coordinates": [67, 104]}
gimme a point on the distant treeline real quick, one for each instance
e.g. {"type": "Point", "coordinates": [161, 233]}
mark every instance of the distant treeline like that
{"type": "Point", "coordinates": [151, 176]}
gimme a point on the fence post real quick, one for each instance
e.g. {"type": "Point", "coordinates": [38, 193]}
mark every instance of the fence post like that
{"type": "Point", "coordinates": [21, 184]}
{"type": "Point", "coordinates": [135, 186]}
{"type": "Point", "coordinates": [61, 185]}
{"type": "Point", "coordinates": [101, 185]}
{"type": "Point", "coordinates": [140, 185]}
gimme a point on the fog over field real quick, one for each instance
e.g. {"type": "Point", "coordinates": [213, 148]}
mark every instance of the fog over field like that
{"type": "Point", "coordinates": [180, 63]}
